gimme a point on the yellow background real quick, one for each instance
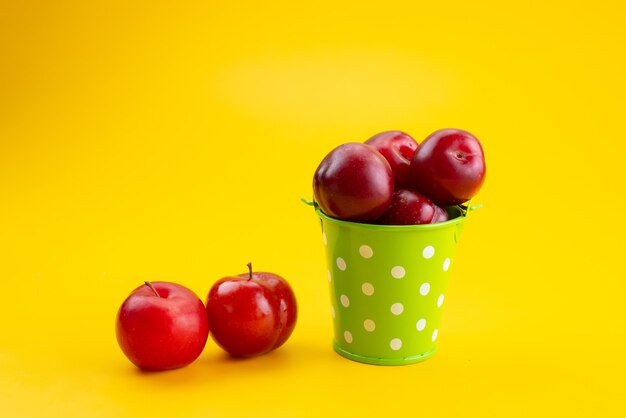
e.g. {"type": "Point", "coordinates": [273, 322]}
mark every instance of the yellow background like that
{"type": "Point", "coordinates": [173, 141]}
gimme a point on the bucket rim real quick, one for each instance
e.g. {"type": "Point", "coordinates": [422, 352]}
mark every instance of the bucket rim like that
{"type": "Point", "coordinates": [462, 215]}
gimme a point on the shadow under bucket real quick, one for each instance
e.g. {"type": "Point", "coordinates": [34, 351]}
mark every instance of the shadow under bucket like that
{"type": "Point", "coordinates": [388, 286]}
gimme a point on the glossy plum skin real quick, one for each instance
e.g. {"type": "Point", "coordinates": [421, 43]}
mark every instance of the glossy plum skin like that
{"type": "Point", "coordinates": [250, 317]}
{"type": "Point", "coordinates": [411, 208]}
{"type": "Point", "coordinates": [162, 332]}
{"type": "Point", "coordinates": [398, 148]}
{"type": "Point", "coordinates": [354, 182]}
{"type": "Point", "coordinates": [440, 215]}
{"type": "Point", "coordinates": [448, 167]}
{"type": "Point", "coordinates": [288, 306]}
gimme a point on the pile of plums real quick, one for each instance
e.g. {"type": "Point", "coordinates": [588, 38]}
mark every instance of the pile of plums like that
{"type": "Point", "coordinates": [391, 179]}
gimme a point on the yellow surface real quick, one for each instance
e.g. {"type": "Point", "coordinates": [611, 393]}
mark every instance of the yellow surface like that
{"type": "Point", "coordinates": [170, 141]}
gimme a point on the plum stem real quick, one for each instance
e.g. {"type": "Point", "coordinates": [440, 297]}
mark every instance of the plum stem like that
{"type": "Point", "coordinates": [149, 284]}
{"type": "Point", "coordinates": [249, 270]}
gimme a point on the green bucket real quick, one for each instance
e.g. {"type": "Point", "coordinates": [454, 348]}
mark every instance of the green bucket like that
{"type": "Point", "coordinates": [388, 286]}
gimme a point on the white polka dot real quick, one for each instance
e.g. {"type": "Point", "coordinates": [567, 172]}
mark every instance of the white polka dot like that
{"type": "Point", "coordinates": [368, 289]}
{"type": "Point", "coordinates": [330, 278]}
{"type": "Point", "coordinates": [440, 301]}
{"type": "Point", "coordinates": [347, 335]}
{"type": "Point", "coordinates": [424, 288]}
{"type": "Point", "coordinates": [396, 344]}
{"type": "Point", "coordinates": [324, 238]}
{"type": "Point", "coordinates": [397, 308]}
{"type": "Point", "coordinates": [435, 332]}
{"type": "Point", "coordinates": [369, 325]}
{"type": "Point", "coordinates": [332, 311]}
{"type": "Point", "coordinates": [398, 272]}
{"type": "Point", "coordinates": [428, 252]}
{"type": "Point", "coordinates": [366, 251]}
{"type": "Point", "coordinates": [446, 264]}
{"type": "Point", "coordinates": [344, 301]}
{"type": "Point", "coordinates": [421, 324]}
{"type": "Point", "coordinates": [341, 263]}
